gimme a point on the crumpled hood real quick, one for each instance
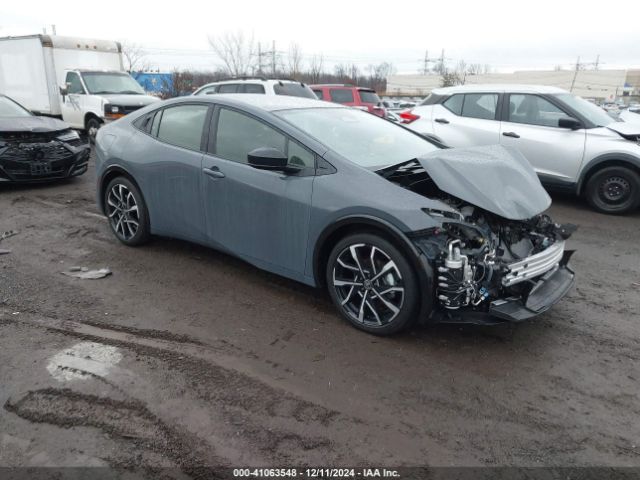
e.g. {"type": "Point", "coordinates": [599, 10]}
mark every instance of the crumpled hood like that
{"type": "Point", "coordinates": [496, 178]}
{"type": "Point", "coordinates": [627, 129]}
{"type": "Point", "coordinates": [125, 100]}
{"type": "Point", "coordinates": [31, 124]}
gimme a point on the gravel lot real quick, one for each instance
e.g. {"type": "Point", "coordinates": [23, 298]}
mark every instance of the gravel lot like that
{"type": "Point", "coordinates": [187, 357]}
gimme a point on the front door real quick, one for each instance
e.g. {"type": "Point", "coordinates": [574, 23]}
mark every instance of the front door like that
{"type": "Point", "coordinates": [531, 126]}
{"type": "Point", "coordinates": [73, 104]}
{"type": "Point", "coordinates": [259, 215]}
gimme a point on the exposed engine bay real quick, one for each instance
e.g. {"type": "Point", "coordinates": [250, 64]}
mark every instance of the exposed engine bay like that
{"type": "Point", "coordinates": [479, 256]}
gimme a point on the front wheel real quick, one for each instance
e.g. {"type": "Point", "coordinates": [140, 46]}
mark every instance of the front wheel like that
{"type": "Point", "coordinates": [372, 284]}
{"type": "Point", "coordinates": [614, 190]}
{"type": "Point", "coordinates": [127, 212]}
{"type": "Point", "coordinates": [92, 127]}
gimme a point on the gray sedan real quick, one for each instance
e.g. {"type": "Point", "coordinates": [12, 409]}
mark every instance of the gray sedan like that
{"type": "Point", "coordinates": [393, 225]}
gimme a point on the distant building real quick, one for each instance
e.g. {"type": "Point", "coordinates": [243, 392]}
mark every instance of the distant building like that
{"type": "Point", "coordinates": [154, 82]}
{"type": "Point", "coordinates": [596, 84]}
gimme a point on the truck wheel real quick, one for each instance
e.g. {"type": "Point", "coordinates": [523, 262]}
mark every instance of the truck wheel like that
{"type": "Point", "coordinates": [614, 190]}
{"type": "Point", "coordinates": [92, 126]}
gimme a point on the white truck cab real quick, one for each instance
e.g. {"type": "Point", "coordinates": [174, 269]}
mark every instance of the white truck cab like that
{"type": "Point", "coordinates": [80, 80]}
{"type": "Point", "coordinates": [90, 98]}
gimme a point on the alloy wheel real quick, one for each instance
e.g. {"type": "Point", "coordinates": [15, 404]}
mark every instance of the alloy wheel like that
{"type": "Point", "coordinates": [122, 210]}
{"type": "Point", "coordinates": [368, 285]}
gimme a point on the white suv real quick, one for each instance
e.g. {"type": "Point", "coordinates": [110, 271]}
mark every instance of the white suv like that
{"type": "Point", "coordinates": [257, 85]}
{"type": "Point", "coordinates": [572, 144]}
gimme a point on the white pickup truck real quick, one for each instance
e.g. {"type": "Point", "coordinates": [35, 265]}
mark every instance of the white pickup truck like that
{"type": "Point", "coordinates": [79, 80]}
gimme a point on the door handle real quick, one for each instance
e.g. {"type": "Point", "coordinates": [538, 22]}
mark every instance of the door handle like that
{"type": "Point", "coordinates": [511, 134]}
{"type": "Point", "coordinates": [213, 172]}
{"type": "Point", "coordinates": [442, 120]}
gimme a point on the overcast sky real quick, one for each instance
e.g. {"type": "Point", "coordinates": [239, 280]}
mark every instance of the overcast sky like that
{"type": "Point", "coordinates": [505, 34]}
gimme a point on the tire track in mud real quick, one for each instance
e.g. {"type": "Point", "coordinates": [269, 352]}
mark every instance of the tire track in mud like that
{"type": "Point", "coordinates": [128, 420]}
{"type": "Point", "coordinates": [273, 421]}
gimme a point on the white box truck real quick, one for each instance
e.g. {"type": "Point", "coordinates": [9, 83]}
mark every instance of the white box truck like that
{"type": "Point", "coordinates": [79, 80]}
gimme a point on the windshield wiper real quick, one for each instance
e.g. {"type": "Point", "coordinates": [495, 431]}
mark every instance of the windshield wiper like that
{"type": "Point", "coordinates": [130, 92]}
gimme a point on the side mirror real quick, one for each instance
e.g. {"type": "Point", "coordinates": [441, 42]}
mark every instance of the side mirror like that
{"type": "Point", "coordinates": [64, 91]}
{"type": "Point", "coordinates": [569, 122]}
{"type": "Point", "coordinates": [267, 158]}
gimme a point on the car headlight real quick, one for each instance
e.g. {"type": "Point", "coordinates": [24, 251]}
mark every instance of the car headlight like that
{"type": "Point", "coordinates": [68, 136]}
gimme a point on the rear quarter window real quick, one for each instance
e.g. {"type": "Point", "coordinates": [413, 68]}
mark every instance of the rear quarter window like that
{"type": "Point", "coordinates": [341, 95]}
{"type": "Point", "coordinates": [319, 94]}
{"type": "Point", "coordinates": [367, 96]}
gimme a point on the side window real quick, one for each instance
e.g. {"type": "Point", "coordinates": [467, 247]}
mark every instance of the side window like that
{"type": "Point", "coordinates": [453, 103]}
{"type": "Point", "coordinates": [300, 156]}
{"type": "Point", "coordinates": [228, 88]}
{"type": "Point", "coordinates": [480, 105]}
{"type": "Point", "coordinates": [182, 125]}
{"type": "Point", "coordinates": [252, 88]}
{"type": "Point", "coordinates": [74, 84]}
{"type": "Point", "coordinates": [341, 95]}
{"type": "Point", "coordinates": [533, 110]}
{"type": "Point", "coordinates": [238, 134]}
{"type": "Point", "coordinates": [208, 91]}
{"type": "Point", "coordinates": [144, 123]}
{"type": "Point", "coordinates": [319, 94]}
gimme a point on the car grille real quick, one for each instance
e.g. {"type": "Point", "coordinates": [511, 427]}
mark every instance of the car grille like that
{"type": "Point", "coordinates": [31, 152]}
{"type": "Point", "coordinates": [127, 109]}
{"type": "Point", "coordinates": [534, 265]}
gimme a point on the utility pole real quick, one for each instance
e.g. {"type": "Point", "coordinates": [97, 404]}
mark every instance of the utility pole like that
{"type": "Point", "coordinates": [53, 29]}
{"type": "Point", "coordinates": [597, 64]}
{"type": "Point", "coordinates": [575, 74]}
{"type": "Point", "coordinates": [259, 58]}
{"type": "Point", "coordinates": [425, 69]}
{"type": "Point", "coordinates": [441, 63]}
{"type": "Point", "coordinates": [273, 59]}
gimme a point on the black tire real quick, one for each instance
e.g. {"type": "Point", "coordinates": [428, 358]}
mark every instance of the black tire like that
{"type": "Point", "coordinates": [614, 190]}
{"type": "Point", "coordinates": [92, 127]}
{"type": "Point", "coordinates": [119, 207]}
{"type": "Point", "coordinates": [376, 316]}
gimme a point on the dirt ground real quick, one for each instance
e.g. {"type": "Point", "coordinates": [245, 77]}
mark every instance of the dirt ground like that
{"type": "Point", "coordinates": [187, 357]}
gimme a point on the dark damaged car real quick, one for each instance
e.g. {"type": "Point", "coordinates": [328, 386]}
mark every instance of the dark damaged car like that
{"type": "Point", "coordinates": [394, 226]}
{"type": "Point", "coordinates": [36, 149]}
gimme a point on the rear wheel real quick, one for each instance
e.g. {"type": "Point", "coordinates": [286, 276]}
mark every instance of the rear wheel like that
{"type": "Point", "coordinates": [614, 190]}
{"type": "Point", "coordinates": [127, 212]}
{"type": "Point", "coordinates": [372, 284]}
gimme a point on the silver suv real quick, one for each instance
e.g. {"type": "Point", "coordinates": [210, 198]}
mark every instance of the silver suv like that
{"type": "Point", "coordinates": [572, 144]}
{"type": "Point", "coordinates": [259, 85]}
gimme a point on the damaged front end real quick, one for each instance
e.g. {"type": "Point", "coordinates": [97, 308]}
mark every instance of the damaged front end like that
{"type": "Point", "coordinates": [502, 261]}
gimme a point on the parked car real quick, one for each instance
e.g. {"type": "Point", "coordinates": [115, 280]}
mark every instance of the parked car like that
{"type": "Point", "coordinates": [259, 85]}
{"type": "Point", "coordinates": [572, 144]}
{"type": "Point", "coordinates": [631, 115]}
{"type": "Point", "coordinates": [358, 97]}
{"type": "Point", "coordinates": [394, 226]}
{"type": "Point", "coordinates": [80, 80]}
{"type": "Point", "coordinates": [35, 149]}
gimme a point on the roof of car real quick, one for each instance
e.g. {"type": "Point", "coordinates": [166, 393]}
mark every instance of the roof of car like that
{"type": "Point", "coordinates": [506, 88]}
{"type": "Point", "coordinates": [260, 80]}
{"type": "Point", "coordinates": [269, 103]}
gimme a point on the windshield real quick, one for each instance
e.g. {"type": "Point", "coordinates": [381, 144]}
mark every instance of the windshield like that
{"type": "Point", "coordinates": [592, 112]}
{"type": "Point", "coordinates": [294, 90]}
{"type": "Point", "coordinates": [9, 108]}
{"type": "Point", "coordinates": [361, 137]}
{"type": "Point", "coordinates": [101, 82]}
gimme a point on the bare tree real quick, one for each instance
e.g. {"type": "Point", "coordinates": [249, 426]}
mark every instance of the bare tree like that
{"type": "Point", "coordinates": [316, 68]}
{"type": "Point", "coordinates": [236, 51]}
{"type": "Point", "coordinates": [134, 57]}
{"type": "Point", "coordinates": [295, 60]}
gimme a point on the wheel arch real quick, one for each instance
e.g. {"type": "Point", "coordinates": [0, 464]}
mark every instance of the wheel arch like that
{"type": "Point", "coordinates": [358, 224]}
{"type": "Point", "coordinates": [88, 116]}
{"type": "Point", "coordinates": [604, 161]}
